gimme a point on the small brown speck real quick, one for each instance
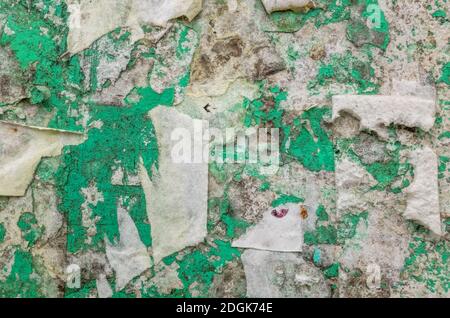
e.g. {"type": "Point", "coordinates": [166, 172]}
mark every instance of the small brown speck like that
{"type": "Point", "coordinates": [317, 52]}
{"type": "Point", "coordinates": [303, 213]}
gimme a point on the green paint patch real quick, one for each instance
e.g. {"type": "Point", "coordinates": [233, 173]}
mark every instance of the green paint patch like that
{"type": "Point", "coordinates": [126, 136]}
{"type": "Point", "coordinates": [378, 25]}
{"type": "Point", "coordinates": [322, 214]}
{"type": "Point", "coordinates": [22, 281]}
{"type": "Point", "coordinates": [264, 187]}
{"type": "Point", "coordinates": [316, 256]}
{"type": "Point", "coordinates": [322, 235]}
{"type": "Point", "coordinates": [445, 74]}
{"type": "Point", "coordinates": [38, 44]}
{"type": "Point", "coordinates": [347, 226]}
{"type": "Point", "coordinates": [387, 171]}
{"type": "Point", "coordinates": [443, 162]}
{"type": "Point", "coordinates": [444, 135]}
{"type": "Point", "coordinates": [31, 231]}
{"type": "Point", "coordinates": [234, 226]}
{"type": "Point", "coordinates": [306, 139]}
{"type": "Point", "coordinates": [309, 142]}
{"type": "Point", "coordinates": [266, 110]}
{"type": "Point", "coordinates": [347, 70]}
{"type": "Point", "coordinates": [197, 270]}
{"type": "Point", "coordinates": [284, 199]}
{"type": "Point", "coordinates": [440, 15]}
{"type": "Point", "coordinates": [428, 264]}
{"type": "Point", "coordinates": [87, 290]}
{"type": "Point", "coordinates": [2, 233]}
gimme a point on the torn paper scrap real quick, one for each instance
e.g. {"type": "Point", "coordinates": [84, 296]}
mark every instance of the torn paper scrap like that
{"type": "Point", "coordinates": [104, 290]}
{"type": "Point", "coordinates": [423, 193]}
{"type": "Point", "coordinates": [129, 258]}
{"type": "Point", "coordinates": [90, 20]}
{"type": "Point", "coordinates": [282, 275]}
{"type": "Point", "coordinates": [178, 192]}
{"type": "Point", "coordinates": [377, 112]}
{"type": "Point", "coordinates": [159, 12]}
{"type": "Point", "coordinates": [279, 230]}
{"type": "Point", "coordinates": [282, 5]}
{"type": "Point", "coordinates": [22, 148]}
{"type": "Point", "coordinates": [353, 183]}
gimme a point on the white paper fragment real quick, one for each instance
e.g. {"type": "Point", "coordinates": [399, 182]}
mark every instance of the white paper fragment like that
{"type": "Point", "coordinates": [163, 11]}
{"type": "Point", "coordinates": [377, 112]}
{"type": "Point", "coordinates": [423, 193]}
{"type": "Point", "coordinates": [129, 258]}
{"type": "Point", "coordinates": [178, 192]}
{"type": "Point", "coordinates": [282, 275]}
{"type": "Point", "coordinates": [352, 184]}
{"type": "Point", "coordinates": [129, 79]}
{"type": "Point", "coordinates": [104, 290]}
{"type": "Point", "coordinates": [89, 20]}
{"type": "Point", "coordinates": [412, 88]}
{"type": "Point", "coordinates": [275, 233]}
{"type": "Point", "coordinates": [22, 148]}
{"type": "Point", "coordinates": [282, 5]}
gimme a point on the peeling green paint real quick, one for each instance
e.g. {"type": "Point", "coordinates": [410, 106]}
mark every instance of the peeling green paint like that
{"type": "Point", "coordinates": [312, 147]}
{"type": "Point", "coordinates": [335, 234]}
{"type": "Point", "coordinates": [284, 199]}
{"type": "Point", "coordinates": [428, 264]}
{"type": "Point", "coordinates": [332, 271]}
{"type": "Point", "coordinates": [21, 281]}
{"type": "Point", "coordinates": [31, 231]}
{"type": "Point", "coordinates": [445, 74]}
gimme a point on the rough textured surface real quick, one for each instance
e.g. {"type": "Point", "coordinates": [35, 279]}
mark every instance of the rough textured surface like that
{"type": "Point", "coordinates": [356, 90]}
{"type": "Point", "coordinates": [279, 275]}
{"type": "Point", "coordinates": [89, 20]}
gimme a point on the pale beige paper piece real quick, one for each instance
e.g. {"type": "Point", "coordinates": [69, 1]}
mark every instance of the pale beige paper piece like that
{"type": "Point", "coordinates": [90, 20]}
{"type": "Point", "coordinates": [22, 148]}
{"type": "Point", "coordinates": [177, 193]}
{"type": "Point", "coordinates": [282, 5]}
{"type": "Point", "coordinates": [423, 193]}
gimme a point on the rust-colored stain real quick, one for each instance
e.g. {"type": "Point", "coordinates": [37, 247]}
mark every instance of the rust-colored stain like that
{"type": "Point", "coordinates": [303, 212]}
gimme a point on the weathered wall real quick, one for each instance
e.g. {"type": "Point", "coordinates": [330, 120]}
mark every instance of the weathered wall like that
{"type": "Point", "coordinates": [360, 204]}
